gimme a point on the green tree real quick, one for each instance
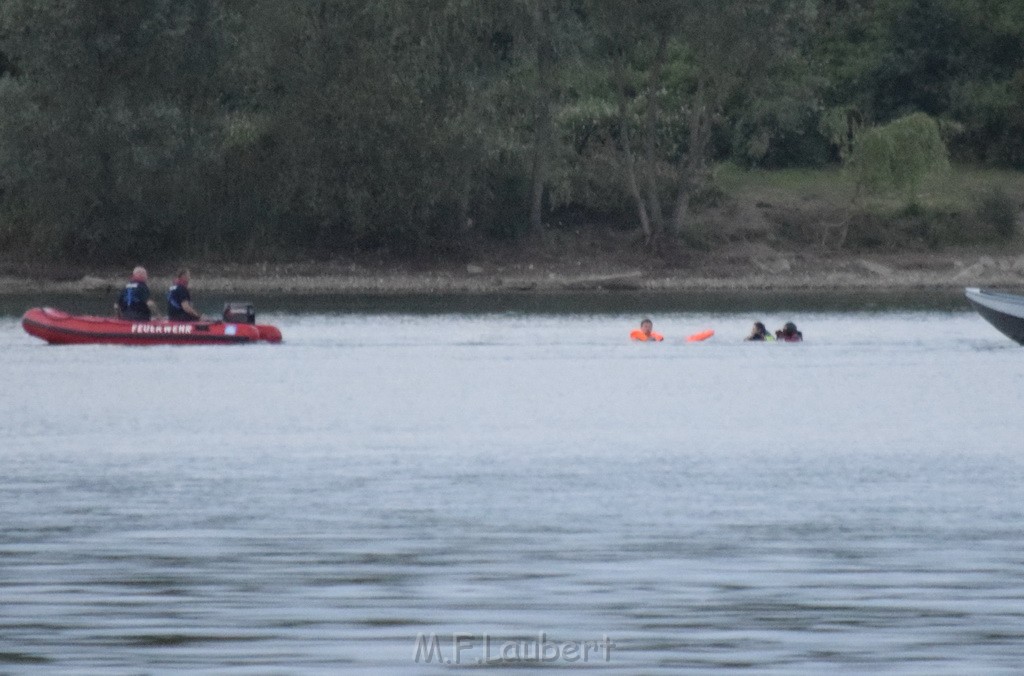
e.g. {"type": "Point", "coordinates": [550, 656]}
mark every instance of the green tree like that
{"type": "Point", "coordinates": [102, 117]}
{"type": "Point", "coordinates": [953, 59]}
{"type": "Point", "coordinates": [392, 125]}
{"type": "Point", "coordinates": [898, 156]}
{"type": "Point", "coordinates": [676, 66]}
{"type": "Point", "coordinates": [924, 53]}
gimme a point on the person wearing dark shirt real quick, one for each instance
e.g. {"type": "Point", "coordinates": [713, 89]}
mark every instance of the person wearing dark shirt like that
{"type": "Point", "coordinates": [179, 300]}
{"type": "Point", "coordinates": [789, 334]}
{"type": "Point", "coordinates": [759, 332]}
{"type": "Point", "coordinates": [134, 302]}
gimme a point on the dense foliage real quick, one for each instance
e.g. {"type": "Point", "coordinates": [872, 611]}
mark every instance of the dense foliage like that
{"type": "Point", "coordinates": [898, 155]}
{"type": "Point", "coordinates": [251, 128]}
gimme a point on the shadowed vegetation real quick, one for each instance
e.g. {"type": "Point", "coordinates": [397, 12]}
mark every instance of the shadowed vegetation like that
{"type": "Point", "coordinates": [260, 130]}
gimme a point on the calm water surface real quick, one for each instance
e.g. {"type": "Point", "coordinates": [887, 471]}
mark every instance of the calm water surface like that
{"type": "Point", "coordinates": [854, 503]}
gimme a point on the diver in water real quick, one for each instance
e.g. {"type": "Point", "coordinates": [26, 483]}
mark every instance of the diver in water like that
{"type": "Point", "coordinates": [789, 334]}
{"type": "Point", "coordinates": [759, 332]}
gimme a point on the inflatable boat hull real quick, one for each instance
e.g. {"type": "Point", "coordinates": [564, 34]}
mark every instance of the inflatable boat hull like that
{"type": "Point", "coordinates": [61, 328]}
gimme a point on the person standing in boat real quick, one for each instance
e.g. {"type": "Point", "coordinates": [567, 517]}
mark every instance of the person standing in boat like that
{"type": "Point", "coordinates": [134, 302]}
{"type": "Point", "coordinates": [179, 300]}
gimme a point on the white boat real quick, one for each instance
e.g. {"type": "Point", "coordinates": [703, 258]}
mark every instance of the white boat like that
{"type": "Point", "coordinates": [1005, 311]}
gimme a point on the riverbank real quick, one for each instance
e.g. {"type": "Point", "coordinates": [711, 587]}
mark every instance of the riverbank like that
{"type": "Point", "coordinates": [778, 230]}
{"type": "Point", "coordinates": [751, 267]}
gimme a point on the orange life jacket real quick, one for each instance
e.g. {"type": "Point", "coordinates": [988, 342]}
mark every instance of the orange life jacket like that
{"type": "Point", "coordinates": [637, 334]}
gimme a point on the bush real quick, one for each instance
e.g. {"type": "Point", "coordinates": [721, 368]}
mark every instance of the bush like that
{"type": "Point", "coordinates": [899, 155]}
{"type": "Point", "coordinates": [995, 208]}
{"type": "Point", "coordinates": [708, 197]}
{"type": "Point", "coordinates": [797, 227]}
{"type": "Point", "coordinates": [913, 226]}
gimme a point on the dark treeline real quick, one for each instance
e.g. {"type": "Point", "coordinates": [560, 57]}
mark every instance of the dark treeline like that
{"type": "Point", "coordinates": [259, 128]}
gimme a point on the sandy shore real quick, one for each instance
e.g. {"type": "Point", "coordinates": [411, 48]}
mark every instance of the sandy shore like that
{"type": "Point", "coordinates": [775, 271]}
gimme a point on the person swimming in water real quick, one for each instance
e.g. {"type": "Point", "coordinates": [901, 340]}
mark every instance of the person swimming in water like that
{"type": "Point", "coordinates": [789, 334]}
{"type": "Point", "coordinates": [759, 332]}
{"type": "Point", "coordinates": [646, 332]}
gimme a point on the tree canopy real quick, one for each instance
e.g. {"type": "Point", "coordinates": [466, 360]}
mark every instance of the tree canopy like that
{"type": "Point", "coordinates": [254, 127]}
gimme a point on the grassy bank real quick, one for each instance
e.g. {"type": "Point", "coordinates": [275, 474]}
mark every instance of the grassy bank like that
{"type": "Point", "coordinates": [963, 206]}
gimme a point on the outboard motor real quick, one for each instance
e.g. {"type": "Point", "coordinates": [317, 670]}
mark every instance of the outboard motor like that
{"type": "Point", "coordinates": [240, 313]}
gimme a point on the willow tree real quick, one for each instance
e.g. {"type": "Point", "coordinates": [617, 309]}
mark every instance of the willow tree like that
{"type": "Point", "coordinates": [892, 158]}
{"type": "Point", "coordinates": [897, 156]}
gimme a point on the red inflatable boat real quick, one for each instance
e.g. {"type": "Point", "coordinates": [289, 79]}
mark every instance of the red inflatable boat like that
{"type": "Point", "coordinates": [60, 328]}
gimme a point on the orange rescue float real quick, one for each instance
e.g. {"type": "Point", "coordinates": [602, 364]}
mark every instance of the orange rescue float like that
{"type": "Point", "coordinates": [702, 335]}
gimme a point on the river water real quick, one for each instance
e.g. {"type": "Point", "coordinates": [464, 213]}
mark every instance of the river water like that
{"type": "Point", "coordinates": [390, 491]}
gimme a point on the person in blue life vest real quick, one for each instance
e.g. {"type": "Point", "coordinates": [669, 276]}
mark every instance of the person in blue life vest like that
{"type": "Point", "coordinates": [134, 302]}
{"type": "Point", "coordinates": [179, 300]}
{"type": "Point", "coordinates": [759, 332]}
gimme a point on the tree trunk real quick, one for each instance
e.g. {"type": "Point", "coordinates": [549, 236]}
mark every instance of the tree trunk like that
{"type": "Point", "coordinates": [650, 136]}
{"type": "Point", "coordinates": [634, 186]}
{"type": "Point", "coordinates": [541, 114]}
{"type": "Point", "coordinates": [465, 221]}
{"type": "Point", "coordinates": [843, 229]}
{"type": "Point", "coordinates": [700, 128]}
{"type": "Point", "coordinates": [627, 151]}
